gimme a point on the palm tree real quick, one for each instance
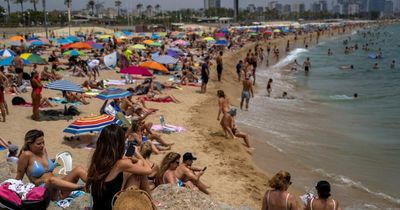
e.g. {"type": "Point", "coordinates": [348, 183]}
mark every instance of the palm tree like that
{"type": "Point", "coordinates": [157, 8]}
{"type": "Point", "coordinates": [8, 8]}
{"type": "Point", "coordinates": [149, 9]}
{"type": "Point", "coordinates": [21, 3]}
{"type": "Point", "coordinates": [118, 5]}
{"type": "Point", "coordinates": [139, 8]}
{"type": "Point", "coordinates": [34, 2]}
{"type": "Point", "coordinates": [90, 5]}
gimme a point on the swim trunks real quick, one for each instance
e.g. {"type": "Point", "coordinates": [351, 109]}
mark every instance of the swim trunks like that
{"type": "Point", "coordinates": [246, 95]}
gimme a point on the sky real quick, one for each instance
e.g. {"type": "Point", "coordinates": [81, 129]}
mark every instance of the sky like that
{"type": "Point", "coordinates": [165, 4]}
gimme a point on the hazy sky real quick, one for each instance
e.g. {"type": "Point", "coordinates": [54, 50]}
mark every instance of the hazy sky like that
{"type": "Point", "coordinates": [165, 4]}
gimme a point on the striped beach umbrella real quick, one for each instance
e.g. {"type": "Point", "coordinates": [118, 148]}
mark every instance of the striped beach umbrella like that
{"type": "Point", "coordinates": [7, 53]}
{"type": "Point", "coordinates": [113, 93]}
{"type": "Point", "coordinates": [64, 85]}
{"type": "Point", "coordinates": [91, 124]}
{"type": "Point", "coordinates": [165, 59]}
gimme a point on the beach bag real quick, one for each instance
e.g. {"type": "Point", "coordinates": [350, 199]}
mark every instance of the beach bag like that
{"type": "Point", "coordinates": [37, 199]}
{"type": "Point", "coordinates": [18, 101]}
{"type": "Point", "coordinates": [132, 198]}
{"type": "Point", "coordinates": [73, 111]}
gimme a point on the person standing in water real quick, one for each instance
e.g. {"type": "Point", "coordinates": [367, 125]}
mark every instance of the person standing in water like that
{"type": "Point", "coordinates": [247, 92]}
{"type": "Point", "coordinates": [269, 87]}
{"type": "Point", "coordinates": [393, 64]}
{"type": "Point", "coordinates": [307, 65]}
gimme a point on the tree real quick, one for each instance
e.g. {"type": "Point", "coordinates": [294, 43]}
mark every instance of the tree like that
{"type": "Point", "coordinates": [8, 8]}
{"type": "Point", "coordinates": [118, 5]}
{"type": "Point", "coordinates": [34, 2]}
{"type": "Point", "coordinates": [139, 8]}
{"type": "Point", "coordinates": [90, 5]}
{"type": "Point", "coordinates": [21, 3]}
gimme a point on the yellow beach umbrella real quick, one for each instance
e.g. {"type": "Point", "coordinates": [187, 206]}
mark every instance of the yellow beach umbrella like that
{"type": "Point", "coordinates": [209, 38]}
{"type": "Point", "coordinates": [138, 47]}
{"type": "Point", "coordinates": [104, 36]}
{"type": "Point", "coordinates": [277, 31]}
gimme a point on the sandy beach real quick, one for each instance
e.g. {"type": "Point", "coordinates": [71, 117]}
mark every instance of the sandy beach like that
{"type": "Point", "coordinates": [231, 173]}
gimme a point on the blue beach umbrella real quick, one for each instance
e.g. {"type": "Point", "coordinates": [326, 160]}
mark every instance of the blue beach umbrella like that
{"type": "Point", "coordinates": [221, 42]}
{"type": "Point", "coordinates": [165, 59]}
{"type": "Point", "coordinates": [7, 53]}
{"type": "Point", "coordinates": [8, 61]}
{"type": "Point", "coordinates": [113, 93]}
{"type": "Point", "coordinates": [64, 85]}
{"type": "Point", "coordinates": [73, 38]}
{"type": "Point", "coordinates": [64, 41]}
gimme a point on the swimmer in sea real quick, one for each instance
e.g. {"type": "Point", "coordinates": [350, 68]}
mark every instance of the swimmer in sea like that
{"type": "Point", "coordinates": [330, 52]}
{"type": "Point", "coordinates": [376, 66]}
{"type": "Point", "coordinates": [346, 67]}
{"type": "Point", "coordinates": [393, 64]}
{"type": "Point", "coordinates": [355, 96]}
{"type": "Point", "coordinates": [307, 65]}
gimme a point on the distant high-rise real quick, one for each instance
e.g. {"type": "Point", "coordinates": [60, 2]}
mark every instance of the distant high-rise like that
{"type": "Point", "coordinates": [376, 5]}
{"type": "Point", "coordinates": [236, 8]}
{"type": "Point", "coordinates": [212, 4]}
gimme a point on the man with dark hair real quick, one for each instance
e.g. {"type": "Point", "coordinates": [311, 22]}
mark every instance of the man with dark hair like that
{"type": "Point", "coordinates": [191, 175]}
{"type": "Point", "coordinates": [19, 67]}
{"type": "Point", "coordinates": [219, 65]}
{"type": "Point", "coordinates": [205, 73]}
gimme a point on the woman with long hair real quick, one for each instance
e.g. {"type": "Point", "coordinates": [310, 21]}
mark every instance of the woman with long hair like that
{"type": "Point", "coordinates": [111, 171]}
{"type": "Point", "coordinates": [35, 163]}
{"type": "Point", "coordinates": [278, 198]}
{"type": "Point", "coordinates": [166, 174]}
{"type": "Point", "coordinates": [324, 200]}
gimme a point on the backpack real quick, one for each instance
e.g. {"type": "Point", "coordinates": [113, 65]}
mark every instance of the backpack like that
{"type": "Point", "coordinates": [18, 101]}
{"type": "Point", "coordinates": [73, 111]}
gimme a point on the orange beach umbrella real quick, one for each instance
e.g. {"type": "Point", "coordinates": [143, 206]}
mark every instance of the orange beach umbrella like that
{"type": "Point", "coordinates": [155, 66]}
{"type": "Point", "coordinates": [78, 45]}
{"type": "Point", "coordinates": [17, 38]}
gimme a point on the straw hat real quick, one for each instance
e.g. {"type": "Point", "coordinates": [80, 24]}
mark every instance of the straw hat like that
{"type": "Point", "coordinates": [132, 199]}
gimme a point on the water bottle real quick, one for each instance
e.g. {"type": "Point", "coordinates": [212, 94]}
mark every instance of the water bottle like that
{"type": "Point", "coordinates": [144, 139]}
{"type": "Point", "coordinates": [162, 121]}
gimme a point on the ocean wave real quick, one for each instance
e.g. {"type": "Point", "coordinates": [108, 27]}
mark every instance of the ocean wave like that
{"type": "Point", "coordinates": [290, 57]}
{"type": "Point", "coordinates": [358, 185]}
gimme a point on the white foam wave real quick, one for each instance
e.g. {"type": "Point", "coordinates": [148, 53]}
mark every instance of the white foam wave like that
{"type": "Point", "coordinates": [290, 57]}
{"type": "Point", "coordinates": [341, 97]}
{"type": "Point", "coordinates": [358, 185]}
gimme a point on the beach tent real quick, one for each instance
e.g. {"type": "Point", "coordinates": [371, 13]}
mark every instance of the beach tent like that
{"type": "Point", "coordinates": [113, 93]}
{"type": "Point", "coordinates": [8, 61]}
{"type": "Point", "coordinates": [7, 53]}
{"type": "Point", "coordinates": [91, 124]}
{"type": "Point", "coordinates": [136, 70]}
{"type": "Point", "coordinates": [110, 60]}
{"type": "Point", "coordinates": [165, 59]}
{"type": "Point", "coordinates": [155, 66]}
{"type": "Point", "coordinates": [33, 58]}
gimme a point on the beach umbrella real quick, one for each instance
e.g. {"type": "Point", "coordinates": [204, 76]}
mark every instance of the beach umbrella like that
{"type": "Point", "coordinates": [64, 41]}
{"type": "Point", "coordinates": [253, 34]}
{"type": "Point", "coordinates": [268, 32]}
{"type": "Point", "coordinates": [180, 42]}
{"type": "Point", "coordinates": [77, 45]}
{"type": "Point", "coordinates": [155, 66]}
{"type": "Point", "coordinates": [74, 53]}
{"type": "Point", "coordinates": [73, 38]}
{"type": "Point", "coordinates": [221, 42]}
{"type": "Point", "coordinates": [7, 53]}
{"type": "Point", "coordinates": [64, 85]}
{"type": "Point", "coordinates": [165, 59]}
{"type": "Point", "coordinates": [13, 43]}
{"type": "Point", "coordinates": [113, 93]}
{"type": "Point", "coordinates": [155, 36]}
{"type": "Point", "coordinates": [91, 124]}
{"type": "Point", "coordinates": [138, 47]}
{"type": "Point", "coordinates": [9, 60]}
{"type": "Point", "coordinates": [127, 33]}
{"type": "Point", "coordinates": [105, 36]}
{"type": "Point", "coordinates": [136, 70]}
{"type": "Point", "coordinates": [33, 58]}
{"type": "Point", "coordinates": [36, 42]}
{"type": "Point", "coordinates": [219, 35]}
{"type": "Point", "coordinates": [277, 31]}
{"type": "Point", "coordinates": [175, 50]}
{"type": "Point", "coordinates": [118, 34]}
{"type": "Point", "coordinates": [148, 41]}
{"type": "Point", "coordinates": [163, 34]}
{"type": "Point", "coordinates": [156, 44]}
{"type": "Point", "coordinates": [95, 45]}
{"type": "Point", "coordinates": [16, 38]}
{"type": "Point", "coordinates": [209, 39]}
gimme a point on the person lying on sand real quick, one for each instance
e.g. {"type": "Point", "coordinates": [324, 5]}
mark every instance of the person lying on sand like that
{"type": "Point", "coordinates": [75, 97]}
{"type": "Point", "coordinates": [89, 84]}
{"type": "Point", "coordinates": [153, 95]}
{"type": "Point", "coordinates": [191, 175]}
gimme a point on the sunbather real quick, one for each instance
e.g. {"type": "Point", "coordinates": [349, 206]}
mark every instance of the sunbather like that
{"type": "Point", "coordinates": [191, 175]}
{"type": "Point", "coordinates": [75, 97]}
{"type": "Point", "coordinates": [166, 174]}
{"type": "Point", "coordinates": [152, 95]}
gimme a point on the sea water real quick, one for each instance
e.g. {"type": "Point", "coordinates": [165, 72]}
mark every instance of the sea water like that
{"type": "Point", "coordinates": [326, 133]}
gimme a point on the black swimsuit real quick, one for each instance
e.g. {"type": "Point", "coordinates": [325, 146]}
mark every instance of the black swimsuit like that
{"type": "Point", "coordinates": [103, 201]}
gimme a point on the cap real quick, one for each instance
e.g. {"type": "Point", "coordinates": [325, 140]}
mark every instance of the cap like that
{"type": "Point", "coordinates": [188, 156]}
{"type": "Point", "coordinates": [12, 148]}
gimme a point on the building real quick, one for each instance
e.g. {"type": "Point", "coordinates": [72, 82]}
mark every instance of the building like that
{"type": "Point", "coordinates": [388, 7]}
{"type": "Point", "coordinates": [353, 9]}
{"type": "Point", "coordinates": [298, 8]}
{"type": "Point", "coordinates": [320, 6]}
{"type": "Point", "coordinates": [236, 9]}
{"type": "Point", "coordinates": [251, 8]}
{"type": "Point", "coordinates": [376, 5]}
{"type": "Point", "coordinates": [212, 4]}
{"type": "Point", "coordinates": [287, 9]}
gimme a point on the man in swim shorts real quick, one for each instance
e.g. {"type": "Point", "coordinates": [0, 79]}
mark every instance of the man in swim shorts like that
{"type": "Point", "coordinates": [246, 92]}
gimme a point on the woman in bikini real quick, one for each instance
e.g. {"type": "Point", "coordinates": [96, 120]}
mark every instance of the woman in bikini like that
{"type": "Point", "coordinates": [36, 95]}
{"type": "Point", "coordinates": [323, 201]}
{"type": "Point", "coordinates": [36, 164]}
{"type": "Point", "coordinates": [166, 174]}
{"type": "Point", "coordinates": [278, 198]}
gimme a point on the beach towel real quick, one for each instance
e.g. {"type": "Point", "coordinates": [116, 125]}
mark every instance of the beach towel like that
{"type": "Point", "coordinates": [65, 203]}
{"type": "Point", "coordinates": [63, 101]}
{"type": "Point", "coordinates": [168, 128]}
{"type": "Point", "coordinates": [92, 92]}
{"type": "Point", "coordinates": [2, 148]}
{"type": "Point", "coordinates": [166, 100]}
{"type": "Point", "coordinates": [29, 104]}
{"type": "Point", "coordinates": [192, 84]}
{"type": "Point", "coordinates": [113, 82]}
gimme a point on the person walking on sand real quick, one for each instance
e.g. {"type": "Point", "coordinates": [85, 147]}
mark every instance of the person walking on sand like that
{"type": "Point", "coordinates": [3, 106]}
{"type": "Point", "coordinates": [36, 95]}
{"type": "Point", "coordinates": [219, 65]}
{"type": "Point", "coordinates": [323, 201]}
{"type": "Point", "coordinates": [205, 72]}
{"type": "Point", "coordinates": [19, 67]}
{"type": "Point", "coordinates": [278, 198]}
{"type": "Point", "coordinates": [269, 87]}
{"type": "Point", "coordinates": [223, 104]}
{"type": "Point", "coordinates": [246, 92]}
{"type": "Point", "coordinates": [307, 65]}
{"type": "Point", "coordinates": [239, 69]}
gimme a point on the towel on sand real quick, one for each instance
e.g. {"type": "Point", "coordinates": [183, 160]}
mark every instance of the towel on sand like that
{"type": "Point", "coordinates": [168, 128]}
{"type": "Point", "coordinates": [113, 82]}
{"type": "Point", "coordinates": [63, 101]}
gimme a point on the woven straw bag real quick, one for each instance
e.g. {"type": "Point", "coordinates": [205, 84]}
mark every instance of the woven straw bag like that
{"type": "Point", "coordinates": [132, 198]}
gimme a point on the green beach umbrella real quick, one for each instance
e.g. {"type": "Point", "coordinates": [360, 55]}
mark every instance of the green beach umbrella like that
{"type": "Point", "coordinates": [155, 44]}
{"type": "Point", "coordinates": [74, 53]}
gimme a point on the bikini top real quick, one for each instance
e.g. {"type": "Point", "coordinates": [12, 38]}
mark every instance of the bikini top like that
{"type": "Point", "coordinates": [38, 169]}
{"type": "Point", "coordinates": [334, 204]}
{"type": "Point", "coordinates": [286, 201]}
